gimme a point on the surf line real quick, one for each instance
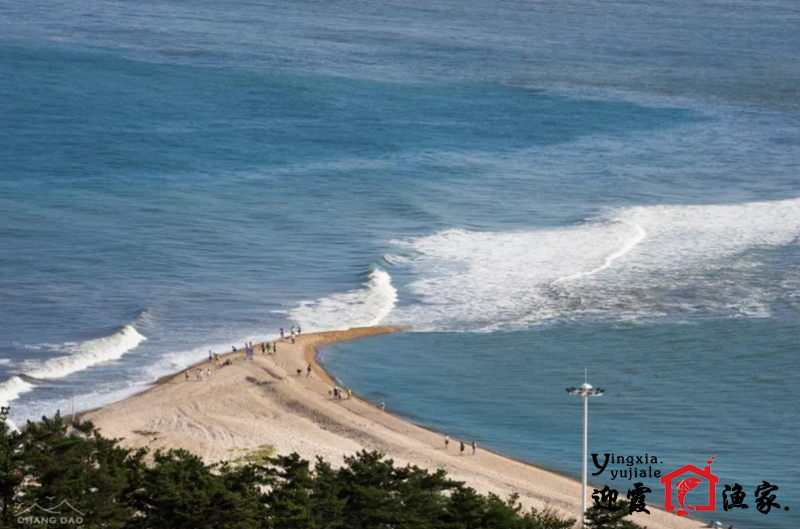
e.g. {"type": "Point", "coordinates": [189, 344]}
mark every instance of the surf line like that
{"type": "Point", "coordinates": [639, 235]}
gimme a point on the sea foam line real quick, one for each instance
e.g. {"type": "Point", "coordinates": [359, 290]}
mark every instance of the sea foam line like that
{"type": "Point", "coordinates": [639, 235]}
{"type": "Point", "coordinates": [80, 356]}
{"type": "Point", "coordinates": [631, 263]}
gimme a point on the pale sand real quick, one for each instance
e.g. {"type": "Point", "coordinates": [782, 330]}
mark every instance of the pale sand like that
{"type": "Point", "coordinates": [263, 402]}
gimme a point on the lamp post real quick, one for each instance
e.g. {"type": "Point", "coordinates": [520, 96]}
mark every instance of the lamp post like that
{"type": "Point", "coordinates": [585, 390]}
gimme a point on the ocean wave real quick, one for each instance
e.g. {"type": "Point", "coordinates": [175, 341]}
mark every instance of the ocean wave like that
{"type": "Point", "coordinates": [12, 388]}
{"type": "Point", "coordinates": [362, 307]}
{"type": "Point", "coordinates": [79, 356]}
{"type": "Point", "coordinates": [631, 263]}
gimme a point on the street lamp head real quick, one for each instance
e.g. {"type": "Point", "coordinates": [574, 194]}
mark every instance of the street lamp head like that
{"type": "Point", "coordinates": [585, 390]}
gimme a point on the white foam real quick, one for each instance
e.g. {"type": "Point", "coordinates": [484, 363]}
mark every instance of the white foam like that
{"type": "Point", "coordinates": [80, 355]}
{"type": "Point", "coordinates": [12, 388]}
{"type": "Point", "coordinates": [362, 307]}
{"type": "Point", "coordinates": [638, 236]}
{"type": "Point", "coordinates": [631, 263]}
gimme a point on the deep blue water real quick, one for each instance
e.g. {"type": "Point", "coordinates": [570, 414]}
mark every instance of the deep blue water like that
{"type": "Point", "coordinates": [532, 187]}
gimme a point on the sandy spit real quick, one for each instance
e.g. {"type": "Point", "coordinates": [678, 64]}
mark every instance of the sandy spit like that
{"type": "Point", "coordinates": [264, 401]}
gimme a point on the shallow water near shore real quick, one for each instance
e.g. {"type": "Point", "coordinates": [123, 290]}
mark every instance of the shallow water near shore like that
{"type": "Point", "coordinates": [531, 191]}
{"type": "Point", "coordinates": [675, 392]}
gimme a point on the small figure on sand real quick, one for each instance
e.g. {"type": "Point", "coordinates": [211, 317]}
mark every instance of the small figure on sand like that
{"type": "Point", "coordinates": [187, 375]}
{"type": "Point", "coordinates": [275, 347]}
{"type": "Point", "coordinates": [292, 337]}
{"type": "Point", "coordinates": [281, 333]}
{"type": "Point", "coordinates": [299, 371]}
{"type": "Point", "coordinates": [233, 348]}
{"type": "Point", "coordinates": [446, 441]}
{"type": "Point", "coordinates": [308, 371]}
{"type": "Point", "coordinates": [298, 329]}
{"type": "Point", "coordinates": [349, 393]}
{"type": "Point", "coordinates": [383, 406]}
{"type": "Point", "coordinates": [474, 447]}
{"type": "Point", "coordinates": [199, 373]}
{"type": "Point", "coordinates": [208, 374]}
{"type": "Point", "coordinates": [210, 356]}
{"type": "Point", "coordinates": [462, 447]}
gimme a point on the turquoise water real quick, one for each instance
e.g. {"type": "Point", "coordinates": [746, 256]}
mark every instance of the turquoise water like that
{"type": "Point", "coordinates": [533, 188]}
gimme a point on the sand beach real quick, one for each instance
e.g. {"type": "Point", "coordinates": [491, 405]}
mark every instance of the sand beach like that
{"type": "Point", "coordinates": [271, 402]}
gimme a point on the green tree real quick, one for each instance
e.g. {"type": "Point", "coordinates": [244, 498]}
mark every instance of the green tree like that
{"type": "Point", "coordinates": [10, 467]}
{"type": "Point", "coordinates": [179, 491]}
{"type": "Point", "coordinates": [290, 500]}
{"type": "Point", "coordinates": [328, 498]}
{"type": "Point", "coordinates": [116, 488]}
{"type": "Point", "coordinates": [93, 473]}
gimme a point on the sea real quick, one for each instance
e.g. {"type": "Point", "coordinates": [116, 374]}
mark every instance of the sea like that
{"type": "Point", "coordinates": [545, 193]}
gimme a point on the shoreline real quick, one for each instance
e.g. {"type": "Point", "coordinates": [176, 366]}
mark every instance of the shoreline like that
{"type": "Point", "coordinates": [269, 400]}
{"type": "Point", "coordinates": [312, 358]}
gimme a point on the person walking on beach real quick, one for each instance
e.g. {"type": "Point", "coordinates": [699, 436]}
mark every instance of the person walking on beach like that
{"type": "Point", "coordinates": [199, 373]}
{"type": "Point", "coordinates": [349, 393]}
{"type": "Point", "coordinates": [462, 447]}
{"type": "Point", "coordinates": [474, 447]}
{"type": "Point", "coordinates": [275, 347]}
{"type": "Point", "coordinates": [446, 441]}
{"type": "Point", "coordinates": [281, 333]}
{"type": "Point", "coordinates": [383, 406]}
{"type": "Point", "coordinates": [298, 330]}
{"type": "Point", "coordinates": [208, 374]}
{"type": "Point", "coordinates": [187, 375]}
{"type": "Point", "coordinates": [210, 356]}
{"type": "Point", "coordinates": [308, 371]}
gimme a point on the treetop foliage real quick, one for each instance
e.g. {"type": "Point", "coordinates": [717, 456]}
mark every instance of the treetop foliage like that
{"type": "Point", "coordinates": [108, 486]}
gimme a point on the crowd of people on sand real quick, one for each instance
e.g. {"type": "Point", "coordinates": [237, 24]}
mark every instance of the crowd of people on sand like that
{"type": "Point", "coordinates": [249, 353]}
{"type": "Point", "coordinates": [340, 393]}
{"type": "Point", "coordinates": [293, 333]}
{"type": "Point", "coordinates": [199, 373]}
{"type": "Point", "coordinates": [337, 392]}
{"type": "Point", "coordinates": [462, 446]}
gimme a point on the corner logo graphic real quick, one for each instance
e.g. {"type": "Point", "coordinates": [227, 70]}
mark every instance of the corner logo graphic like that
{"type": "Point", "coordinates": [60, 514]}
{"type": "Point", "coordinates": [685, 482]}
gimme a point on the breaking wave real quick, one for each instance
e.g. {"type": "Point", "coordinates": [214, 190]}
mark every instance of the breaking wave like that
{"type": "Point", "coordinates": [362, 307]}
{"type": "Point", "coordinates": [79, 356]}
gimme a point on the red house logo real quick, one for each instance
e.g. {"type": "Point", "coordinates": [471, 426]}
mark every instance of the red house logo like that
{"type": "Point", "coordinates": [687, 478]}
